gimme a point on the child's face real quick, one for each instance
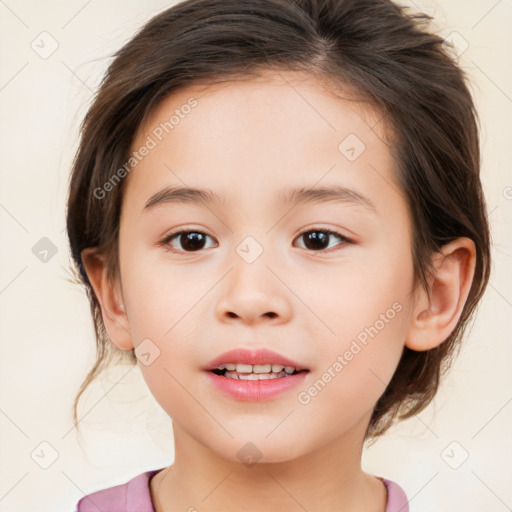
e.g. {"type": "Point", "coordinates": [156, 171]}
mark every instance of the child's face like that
{"type": "Point", "coordinates": [250, 142]}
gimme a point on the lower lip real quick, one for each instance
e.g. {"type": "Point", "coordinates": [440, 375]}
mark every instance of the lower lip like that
{"type": "Point", "coordinates": [255, 390]}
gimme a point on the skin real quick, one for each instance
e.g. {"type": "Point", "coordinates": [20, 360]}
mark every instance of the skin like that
{"type": "Point", "coordinates": [248, 140]}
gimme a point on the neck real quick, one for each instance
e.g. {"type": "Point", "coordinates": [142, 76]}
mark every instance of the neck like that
{"type": "Point", "coordinates": [329, 479]}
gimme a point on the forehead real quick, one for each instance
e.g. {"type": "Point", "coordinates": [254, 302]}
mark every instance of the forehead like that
{"type": "Point", "coordinates": [288, 93]}
{"type": "Point", "coordinates": [260, 132]}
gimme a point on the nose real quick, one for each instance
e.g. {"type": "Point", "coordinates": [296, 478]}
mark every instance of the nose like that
{"type": "Point", "coordinates": [252, 293]}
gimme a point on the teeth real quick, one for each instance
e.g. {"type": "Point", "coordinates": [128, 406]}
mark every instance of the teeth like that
{"type": "Point", "coordinates": [254, 376]}
{"type": "Point", "coordinates": [256, 368]}
{"type": "Point", "coordinates": [261, 368]}
{"type": "Point", "coordinates": [244, 368]}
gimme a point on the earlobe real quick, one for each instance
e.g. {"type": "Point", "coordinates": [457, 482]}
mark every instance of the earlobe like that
{"type": "Point", "coordinates": [436, 315]}
{"type": "Point", "coordinates": [109, 297]}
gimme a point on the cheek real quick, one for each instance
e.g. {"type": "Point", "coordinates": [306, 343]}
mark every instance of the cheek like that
{"type": "Point", "coordinates": [163, 295]}
{"type": "Point", "coordinates": [364, 306]}
{"type": "Point", "coordinates": [353, 370]}
{"type": "Point", "coordinates": [160, 322]}
{"type": "Point", "coordinates": [359, 290]}
{"type": "Point", "coordinates": [161, 316]}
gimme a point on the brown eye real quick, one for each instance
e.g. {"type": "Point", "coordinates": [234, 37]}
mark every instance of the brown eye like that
{"type": "Point", "coordinates": [187, 241]}
{"type": "Point", "coordinates": [319, 239]}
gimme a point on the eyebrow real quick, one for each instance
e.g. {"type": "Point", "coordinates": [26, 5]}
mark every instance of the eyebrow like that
{"type": "Point", "coordinates": [295, 196]}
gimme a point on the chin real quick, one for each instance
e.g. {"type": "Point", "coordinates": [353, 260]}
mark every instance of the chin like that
{"type": "Point", "coordinates": [253, 451]}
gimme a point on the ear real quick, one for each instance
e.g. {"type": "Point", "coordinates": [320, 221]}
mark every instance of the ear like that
{"type": "Point", "coordinates": [110, 298]}
{"type": "Point", "coordinates": [435, 315]}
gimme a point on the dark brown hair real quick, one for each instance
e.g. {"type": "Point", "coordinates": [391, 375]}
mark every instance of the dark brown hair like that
{"type": "Point", "coordinates": [385, 53]}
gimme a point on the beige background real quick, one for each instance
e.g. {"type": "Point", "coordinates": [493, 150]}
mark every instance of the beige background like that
{"type": "Point", "coordinates": [47, 342]}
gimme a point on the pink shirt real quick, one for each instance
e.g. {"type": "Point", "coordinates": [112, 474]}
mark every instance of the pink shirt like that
{"type": "Point", "coordinates": [134, 496]}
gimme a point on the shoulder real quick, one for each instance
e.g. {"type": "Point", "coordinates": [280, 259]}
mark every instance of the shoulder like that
{"type": "Point", "coordinates": [132, 496]}
{"type": "Point", "coordinates": [397, 499]}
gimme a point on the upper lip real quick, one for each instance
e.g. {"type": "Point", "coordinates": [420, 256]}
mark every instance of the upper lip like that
{"type": "Point", "coordinates": [252, 356]}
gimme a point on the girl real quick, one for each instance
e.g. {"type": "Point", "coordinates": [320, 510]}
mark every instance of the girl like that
{"type": "Point", "coordinates": [277, 213]}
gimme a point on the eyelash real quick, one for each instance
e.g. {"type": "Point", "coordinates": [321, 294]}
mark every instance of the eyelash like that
{"type": "Point", "coordinates": [167, 240]}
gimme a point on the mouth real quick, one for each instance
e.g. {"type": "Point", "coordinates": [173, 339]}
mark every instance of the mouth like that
{"type": "Point", "coordinates": [255, 372]}
{"type": "Point", "coordinates": [255, 383]}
